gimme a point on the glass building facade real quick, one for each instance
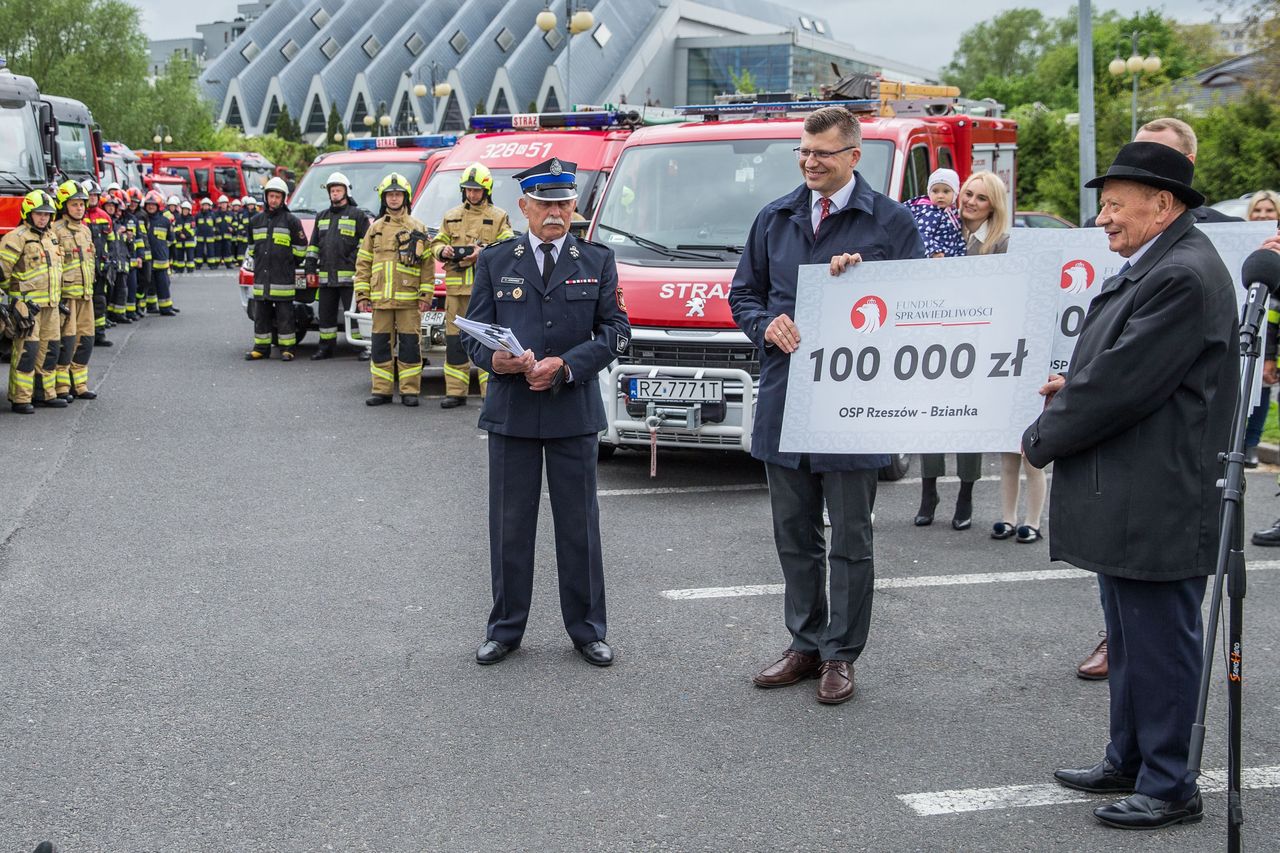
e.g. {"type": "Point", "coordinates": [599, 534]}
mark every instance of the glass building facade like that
{"type": "Point", "coordinates": [772, 68]}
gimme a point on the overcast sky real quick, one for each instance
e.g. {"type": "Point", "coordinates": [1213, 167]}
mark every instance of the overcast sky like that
{"type": "Point", "coordinates": [922, 32]}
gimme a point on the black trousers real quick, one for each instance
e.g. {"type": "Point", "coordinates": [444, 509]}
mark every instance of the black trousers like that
{"type": "Point", "coordinates": [1155, 639]}
{"type": "Point", "coordinates": [833, 627]}
{"type": "Point", "coordinates": [328, 318]}
{"type": "Point", "coordinates": [515, 491]}
{"type": "Point", "coordinates": [273, 315]}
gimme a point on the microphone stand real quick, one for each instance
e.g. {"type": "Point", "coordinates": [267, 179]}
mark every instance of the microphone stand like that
{"type": "Point", "coordinates": [1230, 564]}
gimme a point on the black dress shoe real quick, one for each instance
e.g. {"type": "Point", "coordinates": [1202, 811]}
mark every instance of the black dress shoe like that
{"type": "Point", "coordinates": [924, 515]}
{"type": "Point", "coordinates": [1267, 538]}
{"type": "Point", "coordinates": [1101, 778]}
{"type": "Point", "coordinates": [410, 400]}
{"type": "Point", "coordinates": [452, 402]}
{"type": "Point", "coordinates": [378, 400]}
{"type": "Point", "coordinates": [1138, 811]}
{"type": "Point", "coordinates": [491, 651]}
{"type": "Point", "coordinates": [597, 653]}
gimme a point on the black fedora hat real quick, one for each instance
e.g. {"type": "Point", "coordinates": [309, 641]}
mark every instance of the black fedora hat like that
{"type": "Point", "coordinates": [1155, 165]}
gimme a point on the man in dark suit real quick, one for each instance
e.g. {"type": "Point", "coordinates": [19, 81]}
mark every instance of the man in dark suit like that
{"type": "Point", "coordinates": [1134, 434]}
{"type": "Point", "coordinates": [833, 217]}
{"type": "Point", "coordinates": [560, 297]}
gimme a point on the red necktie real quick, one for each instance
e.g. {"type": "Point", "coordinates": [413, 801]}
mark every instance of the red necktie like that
{"type": "Point", "coordinates": [826, 211]}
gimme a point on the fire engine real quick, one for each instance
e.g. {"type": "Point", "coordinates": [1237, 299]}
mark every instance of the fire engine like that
{"type": "Point", "coordinates": [509, 144]}
{"type": "Point", "coordinates": [677, 211]}
{"type": "Point", "coordinates": [120, 164]}
{"type": "Point", "coordinates": [78, 154]}
{"type": "Point", "coordinates": [234, 174]}
{"type": "Point", "coordinates": [27, 141]}
{"type": "Point", "coordinates": [365, 162]}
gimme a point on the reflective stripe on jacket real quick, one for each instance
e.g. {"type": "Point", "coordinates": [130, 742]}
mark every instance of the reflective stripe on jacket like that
{"type": "Point", "coordinates": [279, 245]}
{"type": "Point", "coordinates": [468, 225]}
{"type": "Point", "coordinates": [382, 275]}
{"type": "Point", "coordinates": [79, 261]}
{"type": "Point", "coordinates": [31, 265]}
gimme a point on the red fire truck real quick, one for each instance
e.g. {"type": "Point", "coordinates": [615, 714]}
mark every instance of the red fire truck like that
{"type": "Point", "coordinates": [365, 163]}
{"type": "Point", "coordinates": [27, 140]}
{"type": "Point", "coordinates": [234, 174]}
{"type": "Point", "coordinates": [677, 211]}
{"type": "Point", "coordinates": [78, 154]}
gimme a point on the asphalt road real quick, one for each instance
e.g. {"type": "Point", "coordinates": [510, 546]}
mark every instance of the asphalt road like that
{"type": "Point", "coordinates": [240, 610]}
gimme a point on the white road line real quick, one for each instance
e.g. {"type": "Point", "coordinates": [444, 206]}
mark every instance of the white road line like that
{"type": "Point", "coordinates": [1021, 796]}
{"type": "Point", "coordinates": [682, 490]}
{"type": "Point", "coordinates": [923, 580]}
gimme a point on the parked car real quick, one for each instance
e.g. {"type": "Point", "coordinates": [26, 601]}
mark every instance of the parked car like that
{"type": "Point", "coordinates": [1234, 206]}
{"type": "Point", "coordinates": [1040, 219]}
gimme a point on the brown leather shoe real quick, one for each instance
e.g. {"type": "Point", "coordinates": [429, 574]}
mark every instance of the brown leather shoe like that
{"type": "Point", "coordinates": [1094, 667]}
{"type": "Point", "coordinates": [793, 667]}
{"type": "Point", "coordinates": [835, 682]}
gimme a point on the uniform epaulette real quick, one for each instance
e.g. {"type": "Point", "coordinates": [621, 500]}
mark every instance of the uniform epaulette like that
{"type": "Point", "coordinates": [585, 241]}
{"type": "Point", "coordinates": [505, 240]}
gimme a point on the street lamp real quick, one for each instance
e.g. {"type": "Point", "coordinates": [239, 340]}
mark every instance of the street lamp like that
{"type": "Point", "coordinates": [440, 88]}
{"type": "Point", "coordinates": [1136, 65]}
{"type": "Point", "coordinates": [579, 21]}
{"type": "Point", "coordinates": [162, 137]}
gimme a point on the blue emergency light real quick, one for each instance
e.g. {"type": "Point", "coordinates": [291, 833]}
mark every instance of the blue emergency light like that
{"type": "Point", "coordinates": [374, 143]}
{"type": "Point", "coordinates": [776, 107]}
{"type": "Point", "coordinates": [593, 120]}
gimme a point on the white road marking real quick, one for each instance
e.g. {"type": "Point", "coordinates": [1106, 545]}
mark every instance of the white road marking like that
{"type": "Point", "coordinates": [682, 490]}
{"type": "Point", "coordinates": [922, 580]}
{"type": "Point", "coordinates": [1021, 796]}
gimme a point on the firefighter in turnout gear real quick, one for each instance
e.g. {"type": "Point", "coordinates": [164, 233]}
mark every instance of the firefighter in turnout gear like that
{"type": "Point", "coordinates": [103, 229]}
{"type": "Point", "coordinates": [223, 220]}
{"type": "Point", "coordinates": [187, 228]}
{"type": "Point", "coordinates": [394, 280]}
{"type": "Point", "coordinates": [31, 269]}
{"type": "Point", "coordinates": [239, 232]}
{"type": "Point", "coordinates": [119, 256]}
{"type": "Point", "coordinates": [206, 235]}
{"type": "Point", "coordinates": [331, 258]}
{"type": "Point", "coordinates": [279, 245]}
{"type": "Point", "coordinates": [79, 270]}
{"type": "Point", "coordinates": [465, 231]}
{"type": "Point", "coordinates": [160, 236]}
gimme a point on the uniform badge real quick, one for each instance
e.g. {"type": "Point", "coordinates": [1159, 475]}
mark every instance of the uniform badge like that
{"type": "Point", "coordinates": [573, 252]}
{"type": "Point", "coordinates": [498, 294]}
{"type": "Point", "coordinates": [517, 293]}
{"type": "Point", "coordinates": [556, 168]}
{"type": "Point", "coordinates": [622, 303]}
{"type": "Point", "coordinates": [519, 249]}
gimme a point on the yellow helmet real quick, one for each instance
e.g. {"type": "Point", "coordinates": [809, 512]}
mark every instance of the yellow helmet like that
{"type": "Point", "coordinates": [69, 191]}
{"type": "Point", "coordinates": [37, 201]}
{"type": "Point", "coordinates": [395, 181]}
{"type": "Point", "coordinates": [477, 176]}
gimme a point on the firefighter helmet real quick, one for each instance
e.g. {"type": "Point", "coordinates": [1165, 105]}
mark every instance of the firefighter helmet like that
{"type": "Point", "coordinates": [153, 197]}
{"type": "Point", "coordinates": [186, 205]}
{"type": "Point", "coordinates": [135, 194]}
{"type": "Point", "coordinates": [173, 201]}
{"type": "Point", "coordinates": [477, 176]}
{"type": "Point", "coordinates": [70, 191]}
{"type": "Point", "coordinates": [109, 198]}
{"type": "Point", "coordinates": [37, 201]}
{"type": "Point", "coordinates": [253, 201]}
{"type": "Point", "coordinates": [275, 185]}
{"type": "Point", "coordinates": [206, 200]}
{"type": "Point", "coordinates": [247, 200]}
{"type": "Point", "coordinates": [222, 199]}
{"type": "Point", "coordinates": [339, 179]}
{"type": "Point", "coordinates": [92, 187]}
{"type": "Point", "coordinates": [393, 183]}
{"type": "Point", "coordinates": [113, 186]}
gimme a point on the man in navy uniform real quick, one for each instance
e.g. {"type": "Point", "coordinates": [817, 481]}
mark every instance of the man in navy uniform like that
{"type": "Point", "coordinates": [560, 297]}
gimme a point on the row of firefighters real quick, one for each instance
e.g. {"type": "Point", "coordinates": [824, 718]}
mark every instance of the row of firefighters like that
{"type": "Point", "coordinates": [81, 261]}
{"type": "Point", "coordinates": [385, 265]}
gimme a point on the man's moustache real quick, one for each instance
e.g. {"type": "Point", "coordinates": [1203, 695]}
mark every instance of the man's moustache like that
{"type": "Point", "coordinates": [553, 220]}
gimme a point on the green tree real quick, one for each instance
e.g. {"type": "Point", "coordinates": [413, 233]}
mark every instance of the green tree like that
{"type": "Point", "coordinates": [744, 82]}
{"type": "Point", "coordinates": [175, 102]}
{"type": "Point", "coordinates": [286, 128]}
{"type": "Point", "coordinates": [1239, 147]}
{"type": "Point", "coordinates": [1008, 46]}
{"type": "Point", "coordinates": [334, 126]}
{"type": "Point", "coordinates": [90, 50]}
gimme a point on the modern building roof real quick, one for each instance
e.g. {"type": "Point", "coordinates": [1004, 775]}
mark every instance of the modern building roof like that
{"type": "Point", "coordinates": [360, 54]}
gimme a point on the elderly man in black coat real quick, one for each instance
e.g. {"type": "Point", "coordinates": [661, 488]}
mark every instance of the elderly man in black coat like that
{"type": "Point", "coordinates": [1134, 433]}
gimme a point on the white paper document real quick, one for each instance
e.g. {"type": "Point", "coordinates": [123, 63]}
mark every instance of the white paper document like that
{"type": "Point", "coordinates": [493, 336]}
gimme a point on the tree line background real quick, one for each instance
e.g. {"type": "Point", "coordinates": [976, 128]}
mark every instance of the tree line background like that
{"type": "Point", "coordinates": [95, 51]}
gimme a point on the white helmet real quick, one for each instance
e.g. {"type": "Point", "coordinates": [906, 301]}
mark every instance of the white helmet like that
{"type": "Point", "coordinates": [222, 199]}
{"type": "Point", "coordinates": [247, 200]}
{"type": "Point", "coordinates": [338, 178]}
{"type": "Point", "coordinates": [253, 201]}
{"type": "Point", "coordinates": [276, 185]}
{"type": "Point", "coordinates": [114, 185]}
{"type": "Point", "coordinates": [186, 205]}
{"type": "Point", "coordinates": [206, 200]}
{"type": "Point", "coordinates": [173, 201]}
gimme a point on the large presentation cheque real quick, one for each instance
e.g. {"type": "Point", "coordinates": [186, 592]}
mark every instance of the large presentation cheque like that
{"type": "Point", "coordinates": [921, 356]}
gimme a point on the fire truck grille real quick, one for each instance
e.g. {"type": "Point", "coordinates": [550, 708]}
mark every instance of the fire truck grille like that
{"type": "Point", "coordinates": [691, 354]}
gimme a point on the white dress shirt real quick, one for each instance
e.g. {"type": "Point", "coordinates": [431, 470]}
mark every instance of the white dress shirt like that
{"type": "Point", "coordinates": [839, 200]}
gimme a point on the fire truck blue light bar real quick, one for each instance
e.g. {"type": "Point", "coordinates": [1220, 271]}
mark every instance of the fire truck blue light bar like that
{"type": "Point", "coordinates": [535, 121]}
{"type": "Point", "coordinates": [374, 143]}
{"type": "Point", "coordinates": [774, 107]}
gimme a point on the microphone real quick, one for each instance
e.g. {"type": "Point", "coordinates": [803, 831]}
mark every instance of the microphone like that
{"type": "Point", "coordinates": [1262, 267]}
